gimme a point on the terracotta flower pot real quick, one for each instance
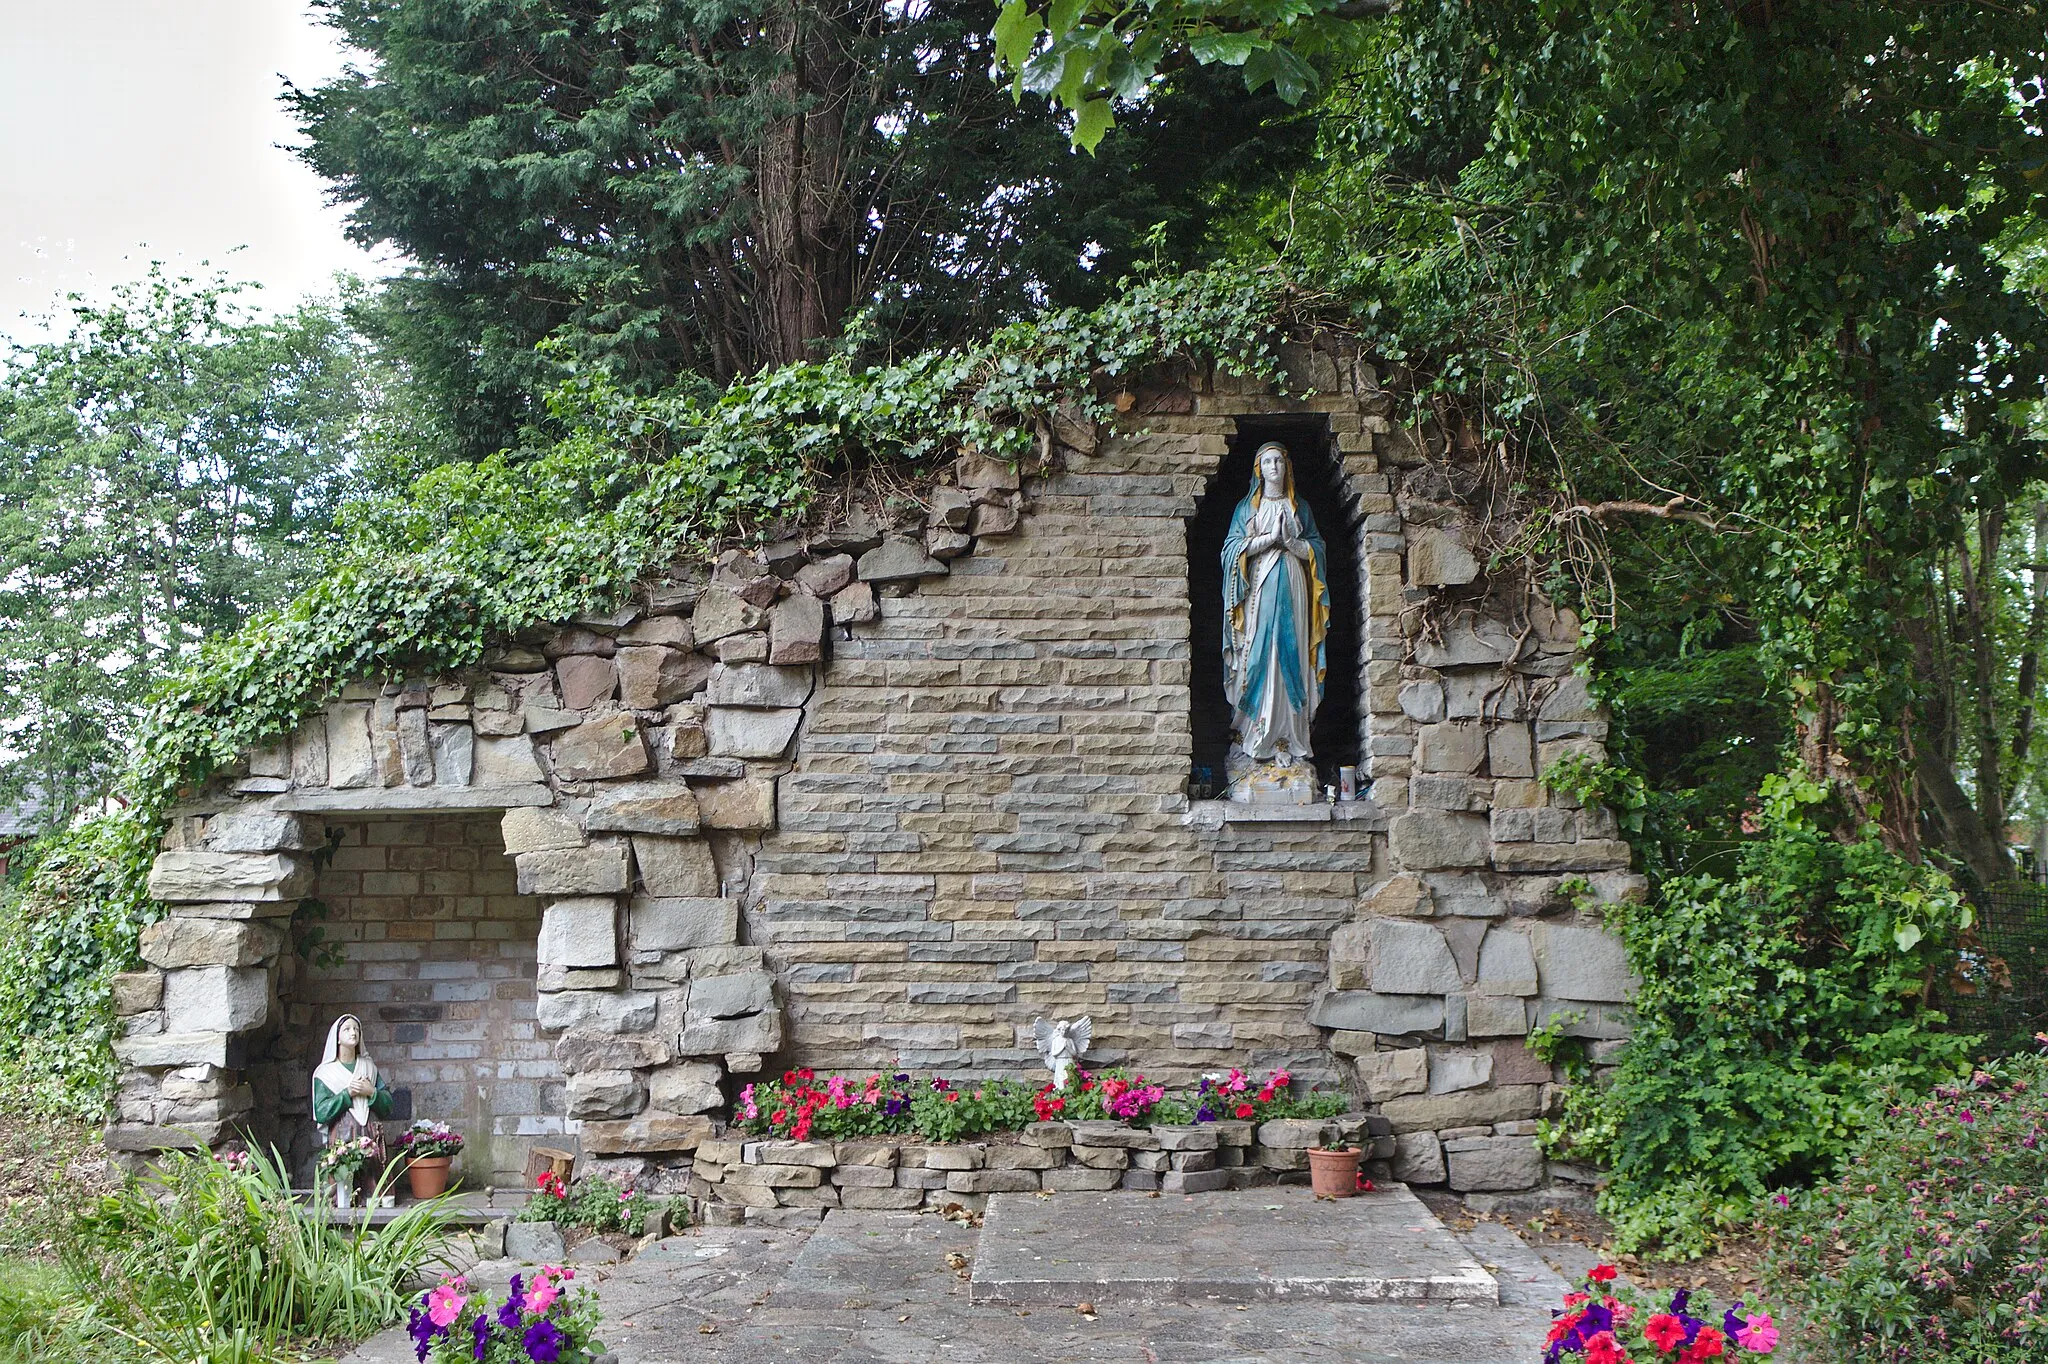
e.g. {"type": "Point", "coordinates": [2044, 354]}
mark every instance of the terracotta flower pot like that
{"type": "Point", "coordinates": [428, 1175]}
{"type": "Point", "coordinates": [1333, 1173]}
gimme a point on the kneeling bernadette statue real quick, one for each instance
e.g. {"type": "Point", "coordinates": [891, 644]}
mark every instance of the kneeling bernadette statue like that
{"type": "Point", "coordinates": [348, 1093]}
{"type": "Point", "coordinates": [1276, 609]}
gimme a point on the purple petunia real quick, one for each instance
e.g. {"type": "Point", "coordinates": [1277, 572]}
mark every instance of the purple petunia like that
{"type": "Point", "coordinates": [480, 1329]}
{"type": "Point", "coordinates": [508, 1315]}
{"type": "Point", "coordinates": [421, 1328]}
{"type": "Point", "coordinates": [544, 1341]}
{"type": "Point", "coordinates": [1593, 1319]}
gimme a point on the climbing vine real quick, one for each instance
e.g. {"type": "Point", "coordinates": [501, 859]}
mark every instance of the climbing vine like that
{"type": "Point", "coordinates": [476, 552]}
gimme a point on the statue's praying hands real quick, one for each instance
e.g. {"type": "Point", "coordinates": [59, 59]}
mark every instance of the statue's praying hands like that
{"type": "Point", "coordinates": [362, 1087]}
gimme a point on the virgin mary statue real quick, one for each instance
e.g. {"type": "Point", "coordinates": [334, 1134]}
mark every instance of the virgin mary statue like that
{"type": "Point", "coordinates": [1276, 606]}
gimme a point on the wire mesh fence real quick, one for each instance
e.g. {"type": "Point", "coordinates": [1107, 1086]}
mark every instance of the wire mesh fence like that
{"type": "Point", "coordinates": [2001, 988]}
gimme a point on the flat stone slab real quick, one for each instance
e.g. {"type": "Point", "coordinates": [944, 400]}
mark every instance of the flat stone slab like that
{"type": "Point", "coordinates": [1256, 1245]}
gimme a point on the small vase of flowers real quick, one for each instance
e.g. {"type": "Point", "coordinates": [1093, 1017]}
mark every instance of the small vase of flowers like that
{"type": "Point", "coordinates": [341, 1162]}
{"type": "Point", "coordinates": [429, 1149]}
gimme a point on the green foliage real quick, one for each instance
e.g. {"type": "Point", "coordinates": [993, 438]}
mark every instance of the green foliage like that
{"type": "Point", "coordinates": [1928, 1246]}
{"type": "Point", "coordinates": [474, 553]}
{"type": "Point", "coordinates": [1774, 1003]}
{"type": "Point", "coordinates": [168, 466]}
{"type": "Point", "coordinates": [213, 1260]}
{"type": "Point", "coordinates": [66, 927]}
{"type": "Point", "coordinates": [699, 191]}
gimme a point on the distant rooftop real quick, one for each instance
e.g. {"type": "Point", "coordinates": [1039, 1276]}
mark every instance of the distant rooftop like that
{"type": "Point", "coordinates": [20, 820]}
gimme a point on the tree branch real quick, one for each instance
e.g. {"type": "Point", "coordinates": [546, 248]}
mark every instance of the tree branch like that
{"type": "Point", "coordinates": [1673, 510]}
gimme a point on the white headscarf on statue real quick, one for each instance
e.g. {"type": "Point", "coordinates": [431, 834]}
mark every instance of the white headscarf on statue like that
{"type": "Point", "coordinates": [337, 1077]}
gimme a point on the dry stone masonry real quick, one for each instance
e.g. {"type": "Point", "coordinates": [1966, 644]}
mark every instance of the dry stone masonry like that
{"type": "Point", "coordinates": [881, 794]}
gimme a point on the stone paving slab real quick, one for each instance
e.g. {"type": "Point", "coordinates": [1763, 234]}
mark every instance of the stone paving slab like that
{"type": "Point", "coordinates": [1250, 1246]}
{"type": "Point", "coordinates": [877, 1288]}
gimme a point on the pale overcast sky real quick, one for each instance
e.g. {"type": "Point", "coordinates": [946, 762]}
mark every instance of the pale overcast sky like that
{"type": "Point", "coordinates": [133, 130]}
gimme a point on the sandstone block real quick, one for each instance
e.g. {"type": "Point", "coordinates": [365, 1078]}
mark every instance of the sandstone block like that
{"type": "Point", "coordinates": [1023, 1158]}
{"type": "Point", "coordinates": [762, 685]}
{"type": "Point", "coordinates": [737, 732]}
{"type": "Point", "coordinates": [599, 869]}
{"type": "Point", "coordinates": [1402, 896]}
{"type": "Point", "coordinates": [1515, 1064]}
{"type": "Point", "coordinates": [673, 631]}
{"type": "Point", "coordinates": [854, 604]}
{"type": "Point", "coordinates": [1429, 840]}
{"type": "Point", "coordinates": [1510, 752]}
{"type": "Point", "coordinates": [747, 804]}
{"type": "Point", "coordinates": [687, 1087]}
{"type": "Point", "coordinates": [892, 1200]}
{"type": "Point", "coordinates": [1507, 964]}
{"type": "Point", "coordinates": [681, 924]}
{"type": "Point", "coordinates": [1193, 1181]}
{"type": "Point", "coordinates": [580, 1050]}
{"type": "Point", "coordinates": [796, 629]}
{"type": "Point", "coordinates": [675, 867]}
{"type": "Point", "coordinates": [728, 1037]}
{"type": "Point", "coordinates": [992, 1181]}
{"type": "Point", "coordinates": [1051, 1135]}
{"type": "Point", "coordinates": [534, 1243]}
{"type": "Point", "coordinates": [538, 829]}
{"type": "Point", "coordinates": [199, 876]}
{"type": "Point", "coordinates": [981, 474]}
{"type": "Point", "coordinates": [586, 680]}
{"type": "Point", "coordinates": [966, 1156]}
{"type": "Point", "coordinates": [1102, 1157]}
{"type": "Point", "coordinates": [1292, 1132]}
{"type": "Point", "coordinates": [653, 676]}
{"type": "Point", "coordinates": [1210, 1036]}
{"type": "Point", "coordinates": [1422, 701]}
{"type": "Point", "coordinates": [1437, 558]}
{"type": "Point", "coordinates": [1197, 1137]}
{"type": "Point", "coordinates": [723, 997]}
{"type": "Point", "coordinates": [1467, 1108]}
{"type": "Point", "coordinates": [220, 999]}
{"type": "Point", "coordinates": [1450, 1071]}
{"type": "Point", "coordinates": [173, 1049]}
{"type": "Point", "coordinates": [1577, 962]}
{"type": "Point", "coordinates": [1391, 1074]}
{"type": "Point", "coordinates": [896, 559]}
{"type": "Point", "coordinates": [665, 808]}
{"type": "Point", "coordinates": [1495, 1016]}
{"type": "Point", "coordinates": [252, 831]}
{"type": "Point", "coordinates": [602, 1011]}
{"type": "Point", "coordinates": [995, 518]}
{"type": "Point", "coordinates": [721, 612]}
{"type": "Point", "coordinates": [180, 942]}
{"type": "Point", "coordinates": [1365, 1011]}
{"type": "Point", "coordinates": [1494, 1163]}
{"type": "Point", "coordinates": [507, 761]}
{"type": "Point", "coordinates": [1081, 1179]}
{"type": "Point", "coordinates": [1106, 1133]}
{"type": "Point", "coordinates": [580, 932]}
{"type": "Point", "coordinates": [652, 1131]}
{"type": "Point", "coordinates": [602, 748]}
{"type": "Point", "coordinates": [779, 1176]}
{"type": "Point", "coordinates": [1409, 957]}
{"type": "Point", "coordinates": [350, 762]}
{"type": "Point", "coordinates": [605, 1094]}
{"type": "Point", "coordinates": [1418, 1158]}
{"type": "Point", "coordinates": [864, 1177]}
{"type": "Point", "coordinates": [823, 577]}
{"type": "Point", "coordinates": [137, 992]}
{"type": "Point", "coordinates": [1456, 747]}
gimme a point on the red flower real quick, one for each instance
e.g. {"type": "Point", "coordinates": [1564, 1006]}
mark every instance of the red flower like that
{"type": "Point", "coordinates": [1564, 1326]}
{"type": "Point", "coordinates": [789, 1077]}
{"type": "Point", "coordinates": [1605, 1349]}
{"type": "Point", "coordinates": [1664, 1331]}
{"type": "Point", "coordinates": [952, 1096]}
{"type": "Point", "coordinates": [1266, 1095]}
{"type": "Point", "coordinates": [779, 1116]}
{"type": "Point", "coordinates": [1244, 1110]}
{"type": "Point", "coordinates": [1706, 1345]}
{"type": "Point", "coordinates": [1603, 1273]}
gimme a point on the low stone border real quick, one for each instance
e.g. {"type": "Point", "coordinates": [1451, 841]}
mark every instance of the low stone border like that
{"type": "Point", "coordinates": [779, 1182]}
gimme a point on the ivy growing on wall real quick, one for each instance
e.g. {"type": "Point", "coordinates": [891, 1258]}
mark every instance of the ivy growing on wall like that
{"type": "Point", "coordinates": [476, 552]}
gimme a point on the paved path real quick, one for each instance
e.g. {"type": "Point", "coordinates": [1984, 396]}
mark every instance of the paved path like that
{"type": "Point", "coordinates": [894, 1288]}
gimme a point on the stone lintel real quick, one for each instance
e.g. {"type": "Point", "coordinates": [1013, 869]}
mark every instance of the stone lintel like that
{"type": "Point", "coordinates": [450, 799]}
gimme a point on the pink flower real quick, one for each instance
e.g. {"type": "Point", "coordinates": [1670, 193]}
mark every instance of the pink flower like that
{"type": "Point", "coordinates": [444, 1304]}
{"type": "Point", "coordinates": [542, 1295]}
{"type": "Point", "coordinates": [1758, 1335]}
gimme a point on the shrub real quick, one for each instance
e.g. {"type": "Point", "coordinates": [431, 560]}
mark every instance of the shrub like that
{"type": "Point", "coordinates": [593, 1202]}
{"type": "Point", "coordinates": [1932, 1245]}
{"type": "Point", "coordinates": [1774, 1005]}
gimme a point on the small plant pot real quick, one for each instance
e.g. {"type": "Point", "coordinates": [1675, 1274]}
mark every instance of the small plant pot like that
{"type": "Point", "coordinates": [428, 1176]}
{"type": "Point", "coordinates": [1333, 1173]}
{"type": "Point", "coordinates": [344, 1193]}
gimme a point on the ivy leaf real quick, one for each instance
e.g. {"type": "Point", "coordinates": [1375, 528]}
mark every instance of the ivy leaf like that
{"type": "Point", "coordinates": [1906, 935]}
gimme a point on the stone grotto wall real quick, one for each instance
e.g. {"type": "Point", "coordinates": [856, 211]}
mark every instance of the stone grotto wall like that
{"type": "Point", "coordinates": [882, 794]}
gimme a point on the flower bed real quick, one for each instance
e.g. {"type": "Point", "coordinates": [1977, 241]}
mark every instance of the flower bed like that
{"type": "Point", "coordinates": [802, 1107]}
{"type": "Point", "coordinates": [738, 1180]}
